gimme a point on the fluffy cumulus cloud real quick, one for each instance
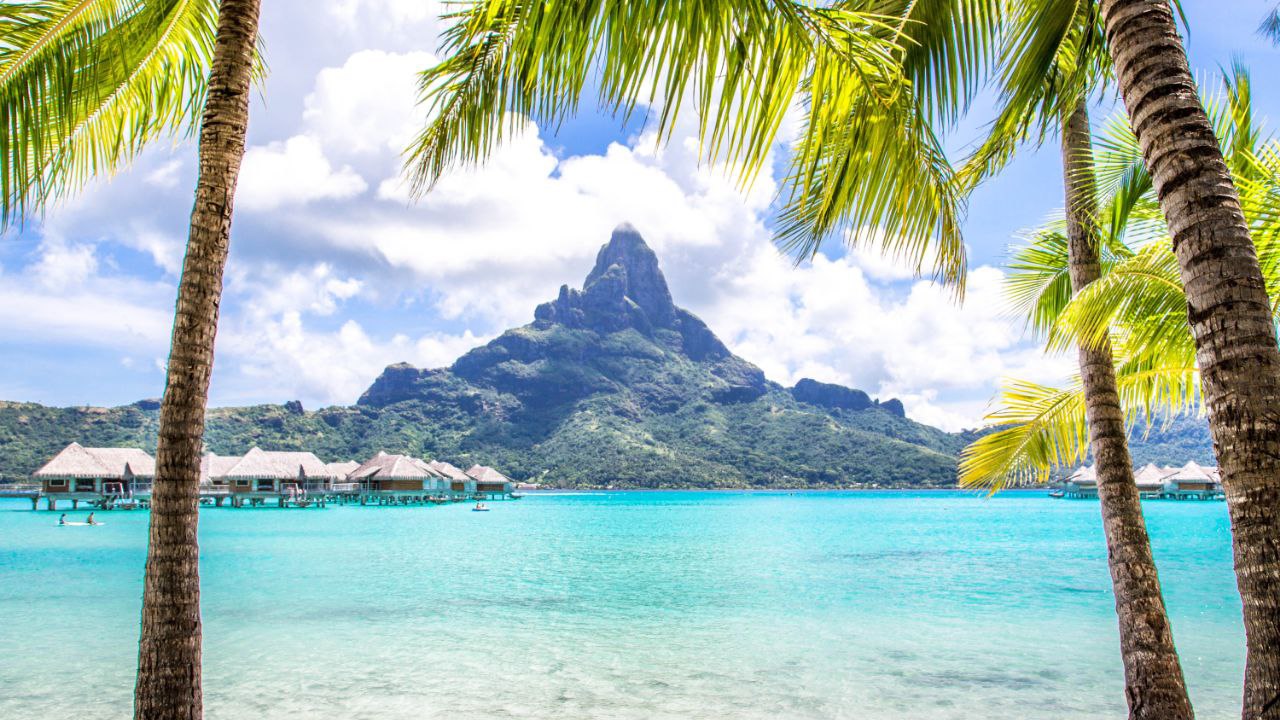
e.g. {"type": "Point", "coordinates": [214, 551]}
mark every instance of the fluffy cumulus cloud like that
{"type": "Point", "coordinates": [336, 271]}
{"type": "Point", "coordinates": [292, 172]}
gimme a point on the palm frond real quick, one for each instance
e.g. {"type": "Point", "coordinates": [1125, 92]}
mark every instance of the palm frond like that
{"type": "Point", "coordinates": [873, 75]}
{"type": "Point", "coordinates": [1053, 56]}
{"type": "Point", "coordinates": [1034, 429]}
{"type": "Point", "coordinates": [1037, 428]}
{"type": "Point", "coordinates": [84, 85]}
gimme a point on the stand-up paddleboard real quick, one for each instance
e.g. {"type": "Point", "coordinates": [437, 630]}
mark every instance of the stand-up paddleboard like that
{"type": "Point", "coordinates": [80, 523]}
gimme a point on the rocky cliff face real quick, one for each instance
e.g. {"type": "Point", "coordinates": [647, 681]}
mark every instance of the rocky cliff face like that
{"type": "Point", "coordinates": [620, 330]}
{"type": "Point", "coordinates": [616, 382]}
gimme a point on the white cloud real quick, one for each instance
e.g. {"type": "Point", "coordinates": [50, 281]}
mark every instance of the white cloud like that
{"type": "Point", "coordinates": [165, 176]}
{"type": "Point", "coordinates": [343, 282]}
{"type": "Point", "coordinates": [295, 171]}
{"type": "Point", "coordinates": [64, 265]}
{"type": "Point", "coordinates": [368, 105]}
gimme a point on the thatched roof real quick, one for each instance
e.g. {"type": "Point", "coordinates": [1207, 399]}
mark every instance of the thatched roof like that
{"type": "Point", "coordinates": [451, 472]}
{"type": "Point", "coordinates": [340, 470]}
{"type": "Point", "coordinates": [215, 467]}
{"type": "Point", "coordinates": [393, 467]}
{"type": "Point", "coordinates": [484, 473]}
{"type": "Point", "coordinates": [275, 465]}
{"type": "Point", "coordinates": [76, 461]}
{"type": "Point", "coordinates": [1150, 477]}
{"type": "Point", "coordinates": [1084, 474]}
{"type": "Point", "coordinates": [1191, 472]}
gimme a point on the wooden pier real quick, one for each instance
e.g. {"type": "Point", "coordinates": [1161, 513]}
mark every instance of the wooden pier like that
{"type": "Point", "coordinates": [300, 498]}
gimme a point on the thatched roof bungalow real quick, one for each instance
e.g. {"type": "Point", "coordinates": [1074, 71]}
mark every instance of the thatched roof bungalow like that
{"type": "Point", "coordinates": [1190, 480]}
{"type": "Point", "coordinates": [396, 474]}
{"type": "Point", "coordinates": [270, 471]}
{"type": "Point", "coordinates": [457, 480]}
{"type": "Point", "coordinates": [213, 469]}
{"type": "Point", "coordinates": [340, 470]}
{"type": "Point", "coordinates": [78, 469]}
{"type": "Point", "coordinates": [1151, 479]}
{"type": "Point", "coordinates": [1082, 483]}
{"type": "Point", "coordinates": [490, 481]}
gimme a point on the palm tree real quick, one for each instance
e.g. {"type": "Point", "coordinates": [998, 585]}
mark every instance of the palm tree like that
{"type": "Point", "coordinates": [168, 684]}
{"type": "Point", "coordinates": [1048, 70]}
{"type": "Point", "coordinates": [83, 86]}
{"type": "Point", "coordinates": [1227, 306]}
{"type": "Point", "coordinates": [86, 84]}
{"type": "Point", "coordinates": [1138, 303]}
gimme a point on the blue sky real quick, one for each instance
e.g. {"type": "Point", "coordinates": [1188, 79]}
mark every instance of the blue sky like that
{"type": "Point", "coordinates": [334, 273]}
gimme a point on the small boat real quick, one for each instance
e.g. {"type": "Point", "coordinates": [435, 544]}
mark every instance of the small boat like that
{"type": "Point", "coordinates": [480, 507]}
{"type": "Point", "coordinates": [1056, 493]}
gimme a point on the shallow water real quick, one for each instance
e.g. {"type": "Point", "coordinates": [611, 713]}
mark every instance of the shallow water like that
{"type": "Point", "coordinates": [626, 605]}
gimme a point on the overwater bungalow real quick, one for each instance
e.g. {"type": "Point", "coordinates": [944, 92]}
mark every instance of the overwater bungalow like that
{"type": "Point", "coordinates": [1083, 483]}
{"type": "Point", "coordinates": [1151, 480]}
{"type": "Point", "coordinates": [270, 473]}
{"type": "Point", "coordinates": [490, 482]}
{"type": "Point", "coordinates": [97, 475]}
{"type": "Point", "coordinates": [340, 470]}
{"type": "Point", "coordinates": [393, 475]}
{"type": "Point", "coordinates": [1192, 482]}
{"type": "Point", "coordinates": [458, 481]}
{"type": "Point", "coordinates": [213, 472]}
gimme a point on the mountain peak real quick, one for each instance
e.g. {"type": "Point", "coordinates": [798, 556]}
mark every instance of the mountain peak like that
{"type": "Point", "coordinates": [625, 289]}
{"type": "Point", "coordinates": [643, 281]}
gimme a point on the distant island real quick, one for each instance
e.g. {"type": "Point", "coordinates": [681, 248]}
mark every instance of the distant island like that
{"type": "Point", "coordinates": [612, 385]}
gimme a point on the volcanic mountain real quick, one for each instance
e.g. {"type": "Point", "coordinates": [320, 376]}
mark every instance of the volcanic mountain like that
{"type": "Point", "coordinates": [610, 385]}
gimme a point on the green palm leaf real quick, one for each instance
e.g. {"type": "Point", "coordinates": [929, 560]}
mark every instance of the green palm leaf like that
{"type": "Point", "coordinates": [874, 78]}
{"type": "Point", "coordinates": [85, 84]}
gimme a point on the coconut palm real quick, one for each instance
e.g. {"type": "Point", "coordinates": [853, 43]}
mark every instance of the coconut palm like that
{"type": "Point", "coordinates": [855, 161]}
{"type": "Point", "coordinates": [83, 87]}
{"type": "Point", "coordinates": [1052, 58]}
{"type": "Point", "coordinates": [1227, 308]}
{"type": "Point", "coordinates": [1138, 304]}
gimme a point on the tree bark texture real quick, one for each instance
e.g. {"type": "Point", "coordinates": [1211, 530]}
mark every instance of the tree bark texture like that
{"type": "Point", "coordinates": [169, 683]}
{"type": "Point", "coordinates": [1227, 308]}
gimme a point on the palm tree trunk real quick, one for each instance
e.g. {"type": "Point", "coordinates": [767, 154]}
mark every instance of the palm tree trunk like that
{"type": "Point", "coordinates": [168, 684]}
{"type": "Point", "coordinates": [1154, 686]}
{"type": "Point", "coordinates": [1227, 308]}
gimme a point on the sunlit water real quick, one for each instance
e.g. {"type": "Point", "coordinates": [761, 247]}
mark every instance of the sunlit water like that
{"type": "Point", "coordinates": [625, 605]}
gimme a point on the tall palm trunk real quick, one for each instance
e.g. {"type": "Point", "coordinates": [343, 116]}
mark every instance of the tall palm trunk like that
{"type": "Point", "coordinates": [1227, 308]}
{"type": "Point", "coordinates": [1154, 686]}
{"type": "Point", "coordinates": [168, 684]}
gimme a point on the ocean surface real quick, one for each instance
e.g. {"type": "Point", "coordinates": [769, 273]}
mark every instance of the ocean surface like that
{"type": "Point", "coordinates": [626, 605]}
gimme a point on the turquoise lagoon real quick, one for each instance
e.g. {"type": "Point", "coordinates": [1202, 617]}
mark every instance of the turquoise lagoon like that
{"type": "Point", "coordinates": [626, 605]}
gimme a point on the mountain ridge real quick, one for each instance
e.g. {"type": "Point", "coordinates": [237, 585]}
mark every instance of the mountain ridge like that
{"type": "Point", "coordinates": [610, 385]}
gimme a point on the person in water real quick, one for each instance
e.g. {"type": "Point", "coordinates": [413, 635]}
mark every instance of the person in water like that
{"type": "Point", "coordinates": [62, 520]}
{"type": "Point", "coordinates": [91, 521]}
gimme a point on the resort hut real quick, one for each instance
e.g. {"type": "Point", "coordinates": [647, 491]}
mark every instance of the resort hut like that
{"type": "Point", "coordinates": [213, 471]}
{"type": "Point", "coordinates": [1150, 480]}
{"type": "Point", "coordinates": [1082, 483]}
{"type": "Point", "coordinates": [93, 473]}
{"type": "Point", "coordinates": [272, 473]}
{"type": "Point", "coordinates": [395, 474]}
{"type": "Point", "coordinates": [457, 480]}
{"type": "Point", "coordinates": [340, 470]}
{"type": "Point", "coordinates": [490, 481]}
{"type": "Point", "coordinates": [1190, 481]}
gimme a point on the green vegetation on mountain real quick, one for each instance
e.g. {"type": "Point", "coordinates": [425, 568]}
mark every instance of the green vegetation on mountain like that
{"type": "Point", "coordinates": [610, 386]}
